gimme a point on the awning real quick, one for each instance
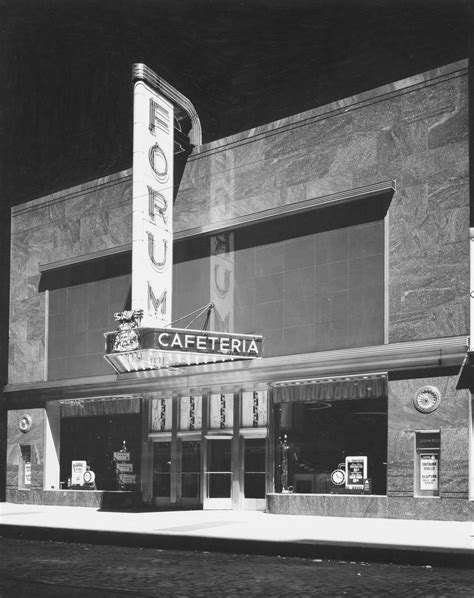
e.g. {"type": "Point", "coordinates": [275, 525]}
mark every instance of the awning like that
{"type": "Point", "coordinates": [100, 406]}
{"type": "Point", "coordinates": [337, 388]}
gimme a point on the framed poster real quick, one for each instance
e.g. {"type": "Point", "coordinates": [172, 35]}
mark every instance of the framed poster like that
{"type": "Point", "coordinates": [27, 480]}
{"type": "Point", "coordinates": [429, 466]}
{"type": "Point", "coordinates": [78, 469]}
{"type": "Point", "coordinates": [356, 472]}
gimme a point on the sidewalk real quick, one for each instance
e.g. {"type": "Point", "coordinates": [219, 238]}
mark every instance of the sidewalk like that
{"type": "Point", "coordinates": [389, 540]}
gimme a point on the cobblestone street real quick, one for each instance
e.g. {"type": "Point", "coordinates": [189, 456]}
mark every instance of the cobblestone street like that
{"type": "Point", "coordinates": [57, 569]}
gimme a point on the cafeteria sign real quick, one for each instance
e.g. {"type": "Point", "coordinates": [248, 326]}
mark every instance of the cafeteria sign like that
{"type": "Point", "coordinates": [137, 348]}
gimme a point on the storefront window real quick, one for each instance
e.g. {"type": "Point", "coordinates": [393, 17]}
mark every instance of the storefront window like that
{"type": "Point", "coordinates": [332, 447]}
{"type": "Point", "coordinates": [92, 442]}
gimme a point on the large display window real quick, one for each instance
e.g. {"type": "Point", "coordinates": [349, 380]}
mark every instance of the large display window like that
{"type": "Point", "coordinates": [332, 447]}
{"type": "Point", "coordinates": [106, 444]}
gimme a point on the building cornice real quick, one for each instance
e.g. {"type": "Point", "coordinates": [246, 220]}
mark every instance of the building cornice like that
{"type": "Point", "coordinates": [430, 353]}
{"type": "Point", "coordinates": [344, 105]}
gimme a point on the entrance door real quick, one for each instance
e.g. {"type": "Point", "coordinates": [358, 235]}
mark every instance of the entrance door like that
{"type": "Point", "coordinates": [218, 477]}
{"type": "Point", "coordinates": [254, 473]}
{"type": "Point", "coordinates": [190, 473]}
{"type": "Point", "coordinates": [161, 473]}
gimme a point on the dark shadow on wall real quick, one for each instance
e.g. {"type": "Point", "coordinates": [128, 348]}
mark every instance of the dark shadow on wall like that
{"type": "Point", "coordinates": [4, 337]}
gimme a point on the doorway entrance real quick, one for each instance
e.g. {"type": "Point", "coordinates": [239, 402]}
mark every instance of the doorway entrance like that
{"type": "Point", "coordinates": [218, 477]}
{"type": "Point", "coordinates": [209, 452]}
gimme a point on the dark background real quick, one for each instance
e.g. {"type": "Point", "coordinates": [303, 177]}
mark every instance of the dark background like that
{"type": "Point", "coordinates": [65, 65]}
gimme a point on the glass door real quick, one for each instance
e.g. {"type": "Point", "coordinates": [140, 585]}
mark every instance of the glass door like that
{"type": "Point", "coordinates": [190, 472]}
{"type": "Point", "coordinates": [161, 473]}
{"type": "Point", "coordinates": [218, 485]}
{"type": "Point", "coordinates": [254, 473]}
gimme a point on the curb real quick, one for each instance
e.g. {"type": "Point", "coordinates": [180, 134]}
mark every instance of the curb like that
{"type": "Point", "coordinates": [327, 550]}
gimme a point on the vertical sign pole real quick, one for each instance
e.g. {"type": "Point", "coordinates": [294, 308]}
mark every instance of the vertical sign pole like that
{"type": "Point", "coordinates": [152, 241]}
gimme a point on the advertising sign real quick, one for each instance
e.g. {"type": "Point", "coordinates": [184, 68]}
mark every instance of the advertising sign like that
{"type": "Point", "coordinates": [27, 478]}
{"type": "Point", "coordinates": [124, 467]}
{"type": "Point", "coordinates": [356, 472]}
{"type": "Point", "coordinates": [78, 469]}
{"type": "Point", "coordinates": [429, 471]}
{"type": "Point", "coordinates": [121, 456]}
{"type": "Point", "coordinates": [127, 478]}
{"type": "Point", "coordinates": [152, 241]}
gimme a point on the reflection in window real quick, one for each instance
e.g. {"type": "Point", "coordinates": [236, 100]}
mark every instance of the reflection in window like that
{"type": "Point", "coordinates": [82, 301]}
{"type": "Point", "coordinates": [307, 282]}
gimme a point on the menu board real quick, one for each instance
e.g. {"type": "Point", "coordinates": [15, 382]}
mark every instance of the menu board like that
{"type": "Point", "coordinates": [429, 471]}
{"type": "Point", "coordinates": [356, 472]}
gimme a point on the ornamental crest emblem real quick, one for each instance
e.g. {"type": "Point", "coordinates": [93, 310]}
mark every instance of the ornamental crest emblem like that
{"type": "Point", "coordinates": [127, 338]}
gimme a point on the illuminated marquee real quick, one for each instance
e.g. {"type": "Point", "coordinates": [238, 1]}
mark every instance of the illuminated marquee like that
{"type": "Point", "coordinates": [152, 244]}
{"type": "Point", "coordinates": [159, 348]}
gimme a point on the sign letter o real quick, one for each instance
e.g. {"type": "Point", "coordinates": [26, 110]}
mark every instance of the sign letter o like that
{"type": "Point", "coordinates": [158, 163]}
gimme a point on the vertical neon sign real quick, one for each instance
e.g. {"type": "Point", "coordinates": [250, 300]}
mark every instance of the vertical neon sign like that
{"type": "Point", "coordinates": [152, 240]}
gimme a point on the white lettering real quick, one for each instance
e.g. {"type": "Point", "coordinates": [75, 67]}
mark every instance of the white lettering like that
{"type": "Point", "coordinates": [253, 347]}
{"type": "Point", "coordinates": [235, 345]}
{"type": "Point", "coordinates": [213, 340]}
{"type": "Point", "coordinates": [177, 342]}
{"type": "Point", "coordinates": [162, 337]}
{"type": "Point", "coordinates": [159, 265]}
{"type": "Point", "coordinates": [157, 204]}
{"type": "Point", "coordinates": [201, 342]}
{"type": "Point", "coordinates": [154, 303]}
{"type": "Point", "coordinates": [224, 344]}
{"type": "Point", "coordinates": [188, 340]}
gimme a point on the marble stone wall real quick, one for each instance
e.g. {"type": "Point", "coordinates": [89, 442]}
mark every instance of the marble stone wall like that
{"type": "Point", "coordinates": [33, 438]}
{"type": "Point", "coordinates": [451, 418]}
{"type": "Point", "coordinates": [76, 498]}
{"type": "Point", "coordinates": [415, 132]}
{"type": "Point", "coordinates": [72, 223]}
{"type": "Point", "coordinates": [387, 507]}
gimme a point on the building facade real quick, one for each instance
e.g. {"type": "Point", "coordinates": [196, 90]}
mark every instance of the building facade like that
{"type": "Point", "coordinates": [341, 235]}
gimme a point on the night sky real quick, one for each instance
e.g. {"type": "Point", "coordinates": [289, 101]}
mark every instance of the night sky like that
{"type": "Point", "coordinates": [66, 96]}
{"type": "Point", "coordinates": [67, 64]}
